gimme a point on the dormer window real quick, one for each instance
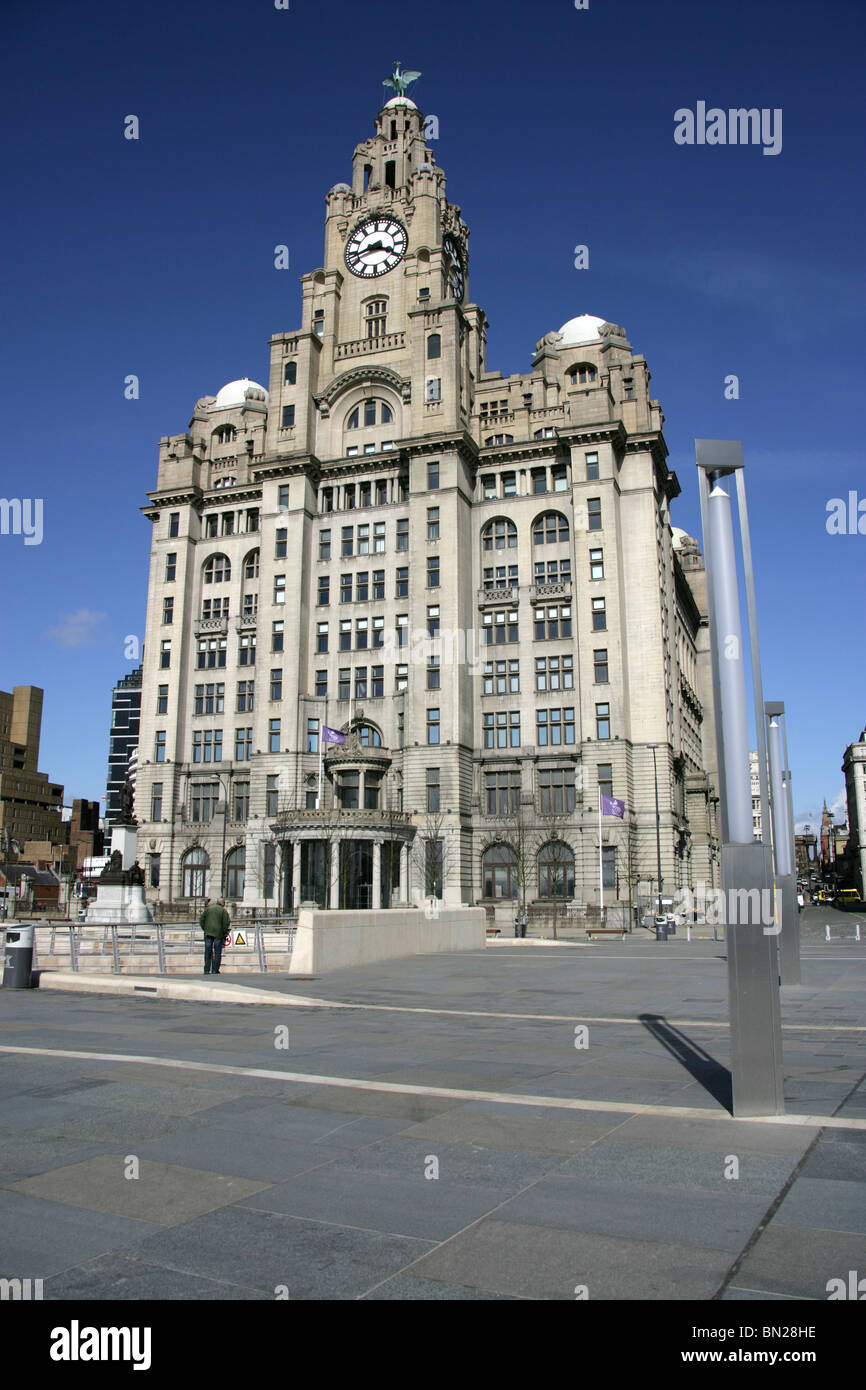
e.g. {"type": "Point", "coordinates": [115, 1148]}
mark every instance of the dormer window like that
{"type": "Point", "coordinates": [583, 374]}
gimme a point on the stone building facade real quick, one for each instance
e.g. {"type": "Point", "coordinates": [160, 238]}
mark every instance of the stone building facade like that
{"type": "Point", "coordinates": [854, 768]}
{"type": "Point", "coordinates": [29, 801]}
{"type": "Point", "coordinates": [471, 579]}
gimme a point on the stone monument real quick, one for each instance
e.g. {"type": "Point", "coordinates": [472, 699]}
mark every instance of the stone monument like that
{"type": "Point", "coordinates": [120, 886]}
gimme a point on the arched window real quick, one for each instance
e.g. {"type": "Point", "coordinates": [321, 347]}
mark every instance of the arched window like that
{"type": "Point", "coordinates": [196, 873]}
{"type": "Point", "coordinates": [556, 870]}
{"type": "Point", "coordinates": [582, 374]}
{"type": "Point", "coordinates": [499, 534]}
{"type": "Point", "coordinates": [368, 735]}
{"type": "Point", "coordinates": [290, 374]}
{"type": "Point", "coordinates": [225, 434]}
{"type": "Point", "coordinates": [434, 345]}
{"type": "Point", "coordinates": [217, 570]}
{"type": "Point", "coordinates": [499, 871]}
{"type": "Point", "coordinates": [549, 529]}
{"type": "Point", "coordinates": [499, 439]}
{"type": "Point", "coordinates": [371, 412]}
{"type": "Point", "coordinates": [235, 867]}
{"type": "Point", "coordinates": [251, 566]}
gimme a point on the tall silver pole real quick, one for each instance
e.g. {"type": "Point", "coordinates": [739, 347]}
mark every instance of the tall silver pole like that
{"type": "Point", "coordinates": [728, 639]}
{"type": "Point", "coordinates": [747, 869]}
{"type": "Point", "coordinates": [783, 844]}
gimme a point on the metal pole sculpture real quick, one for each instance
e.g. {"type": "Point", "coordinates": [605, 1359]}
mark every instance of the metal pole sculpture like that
{"type": "Point", "coordinates": [783, 845]}
{"type": "Point", "coordinates": [747, 874]}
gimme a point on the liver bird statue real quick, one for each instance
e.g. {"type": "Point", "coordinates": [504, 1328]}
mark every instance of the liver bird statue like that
{"type": "Point", "coordinates": [400, 80]}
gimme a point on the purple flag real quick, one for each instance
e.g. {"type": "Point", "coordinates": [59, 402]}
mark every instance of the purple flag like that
{"type": "Point", "coordinates": [332, 735]}
{"type": "Point", "coordinates": [611, 807]}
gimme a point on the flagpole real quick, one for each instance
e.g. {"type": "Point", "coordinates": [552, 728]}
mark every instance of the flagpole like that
{"type": "Point", "coordinates": [321, 750]}
{"type": "Point", "coordinates": [600, 861]}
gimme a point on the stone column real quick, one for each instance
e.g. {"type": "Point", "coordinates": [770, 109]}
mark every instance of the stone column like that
{"type": "Point", "coordinates": [377, 875]}
{"type": "Point", "coordinates": [334, 900]}
{"type": "Point", "coordinates": [296, 872]}
{"type": "Point", "coordinates": [404, 873]}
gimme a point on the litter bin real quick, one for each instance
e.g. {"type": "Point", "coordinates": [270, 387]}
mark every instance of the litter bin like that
{"type": "Point", "coordinates": [18, 959]}
{"type": "Point", "coordinates": [661, 929]}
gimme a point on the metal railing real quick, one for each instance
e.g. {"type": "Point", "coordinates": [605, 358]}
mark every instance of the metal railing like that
{"type": "Point", "coordinates": [149, 939]}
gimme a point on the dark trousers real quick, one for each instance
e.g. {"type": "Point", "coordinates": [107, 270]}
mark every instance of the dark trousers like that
{"type": "Point", "coordinates": [213, 952]}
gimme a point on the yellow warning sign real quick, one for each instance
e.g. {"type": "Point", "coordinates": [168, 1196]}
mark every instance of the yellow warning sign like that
{"type": "Point", "coordinates": [239, 940]}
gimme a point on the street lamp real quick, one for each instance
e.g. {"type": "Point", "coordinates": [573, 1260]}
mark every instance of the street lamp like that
{"type": "Point", "coordinates": [218, 778]}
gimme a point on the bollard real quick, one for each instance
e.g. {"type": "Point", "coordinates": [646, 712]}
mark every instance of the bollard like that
{"type": "Point", "coordinates": [857, 925]}
{"type": "Point", "coordinates": [827, 930]}
{"type": "Point", "coordinates": [688, 932]}
{"type": "Point", "coordinates": [18, 960]}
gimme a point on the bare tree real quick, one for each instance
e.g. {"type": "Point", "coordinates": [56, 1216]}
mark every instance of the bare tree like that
{"type": "Point", "coordinates": [433, 853]}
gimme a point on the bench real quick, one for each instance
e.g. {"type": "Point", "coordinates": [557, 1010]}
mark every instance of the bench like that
{"type": "Point", "coordinates": [605, 931]}
{"type": "Point", "coordinates": [494, 931]}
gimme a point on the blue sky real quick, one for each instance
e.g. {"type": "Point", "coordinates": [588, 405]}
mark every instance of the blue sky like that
{"type": "Point", "coordinates": [556, 128]}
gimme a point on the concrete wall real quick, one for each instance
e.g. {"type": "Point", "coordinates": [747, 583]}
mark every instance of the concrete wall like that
{"type": "Point", "coordinates": [339, 940]}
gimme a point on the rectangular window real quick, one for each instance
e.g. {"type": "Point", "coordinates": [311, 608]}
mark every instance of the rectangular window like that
{"type": "Point", "coordinates": [401, 683]}
{"type": "Point", "coordinates": [323, 597]}
{"type": "Point", "coordinates": [361, 632]}
{"type": "Point", "coordinates": [164, 655]}
{"type": "Point", "coordinates": [433, 468]}
{"type": "Point", "coordinates": [501, 729]}
{"type": "Point", "coordinates": [202, 802]}
{"type": "Point", "coordinates": [243, 745]}
{"type": "Point", "coordinates": [502, 678]}
{"type": "Point", "coordinates": [432, 789]}
{"type": "Point", "coordinates": [605, 779]}
{"type": "Point", "coordinates": [156, 801]}
{"type": "Point", "coordinates": [403, 534]}
{"type": "Point", "coordinates": [162, 699]}
{"type": "Point", "coordinates": [346, 635]}
{"type": "Point", "coordinates": [170, 566]}
{"type": "Point", "coordinates": [364, 497]}
{"type": "Point", "coordinates": [207, 746]}
{"type": "Point", "coordinates": [500, 626]}
{"type": "Point", "coordinates": [433, 620]}
{"type": "Point", "coordinates": [402, 629]}
{"type": "Point", "coordinates": [247, 651]}
{"type": "Point", "coordinates": [552, 623]}
{"type": "Point", "coordinates": [281, 543]}
{"type": "Point", "coordinates": [378, 584]}
{"type": "Point", "coordinates": [321, 638]}
{"type": "Point", "coordinates": [273, 735]}
{"type": "Point", "coordinates": [509, 484]}
{"type": "Point", "coordinates": [503, 793]}
{"type": "Point", "coordinates": [599, 616]}
{"type": "Point", "coordinates": [347, 540]}
{"type": "Point", "coordinates": [321, 685]}
{"type": "Point", "coordinates": [349, 786]}
{"type": "Point", "coordinates": [432, 523]}
{"type": "Point", "coordinates": [349, 496]}
{"type": "Point", "coordinates": [345, 588]}
{"type": "Point", "coordinates": [432, 726]}
{"type": "Point", "coordinates": [277, 683]}
{"type": "Point", "coordinates": [360, 682]}
{"type": "Point", "coordinates": [327, 499]}
{"type": "Point", "coordinates": [279, 588]}
{"type": "Point", "coordinates": [539, 480]}
{"type": "Point", "coordinates": [271, 794]}
{"type": "Point", "coordinates": [344, 683]}
{"type": "Point", "coordinates": [277, 635]}
{"type": "Point", "coordinates": [379, 538]}
{"type": "Point", "coordinates": [378, 632]}
{"type": "Point", "coordinates": [434, 391]}
{"type": "Point", "coordinates": [228, 523]}
{"type": "Point", "coordinates": [154, 870]}
{"type": "Point", "coordinates": [591, 467]}
{"type": "Point", "coordinates": [556, 788]}
{"type": "Point", "coordinates": [377, 676]}
{"type": "Point", "coordinates": [432, 571]}
{"type": "Point", "coordinates": [599, 658]}
{"type": "Point", "coordinates": [288, 416]}
{"type": "Point", "coordinates": [554, 727]}
{"type": "Point", "coordinates": [602, 721]}
{"type": "Point", "coordinates": [593, 506]}
{"type": "Point", "coordinates": [434, 673]}
{"type": "Point", "coordinates": [362, 586]}
{"type": "Point", "coordinates": [246, 697]}
{"type": "Point", "coordinates": [312, 735]}
{"type": "Point", "coordinates": [283, 497]}
{"type": "Point", "coordinates": [211, 526]}
{"type": "Point", "coordinates": [211, 652]}
{"type": "Point", "coordinates": [324, 545]}
{"type": "Point", "coordinates": [596, 564]}
{"type": "Point", "coordinates": [168, 611]}
{"type": "Point", "coordinates": [174, 523]}
{"type": "Point", "coordinates": [489, 487]}
{"type": "Point", "coordinates": [241, 801]}
{"type": "Point", "coordinates": [559, 473]}
{"type": "Point", "coordinates": [253, 519]}
{"type": "Point", "coordinates": [402, 589]}
{"type": "Point", "coordinates": [363, 538]}
{"type": "Point", "coordinates": [382, 494]}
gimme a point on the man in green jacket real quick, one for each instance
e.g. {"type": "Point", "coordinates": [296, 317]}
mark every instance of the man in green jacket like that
{"type": "Point", "coordinates": [214, 922]}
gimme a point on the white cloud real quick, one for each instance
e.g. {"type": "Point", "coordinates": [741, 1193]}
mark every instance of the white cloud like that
{"type": "Point", "coordinates": [76, 629]}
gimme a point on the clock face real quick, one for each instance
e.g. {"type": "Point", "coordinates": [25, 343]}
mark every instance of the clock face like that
{"type": "Point", "coordinates": [456, 277]}
{"type": "Point", "coordinates": [376, 246]}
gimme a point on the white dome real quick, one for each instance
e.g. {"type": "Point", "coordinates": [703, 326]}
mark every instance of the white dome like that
{"type": "Point", "coordinates": [400, 101]}
{"type": "Point", "coordinates": [235, 392]}
{"type": "Point", "coordinates": [583, 329]}
{"type": "Point", "coordinates": [341, 188]}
